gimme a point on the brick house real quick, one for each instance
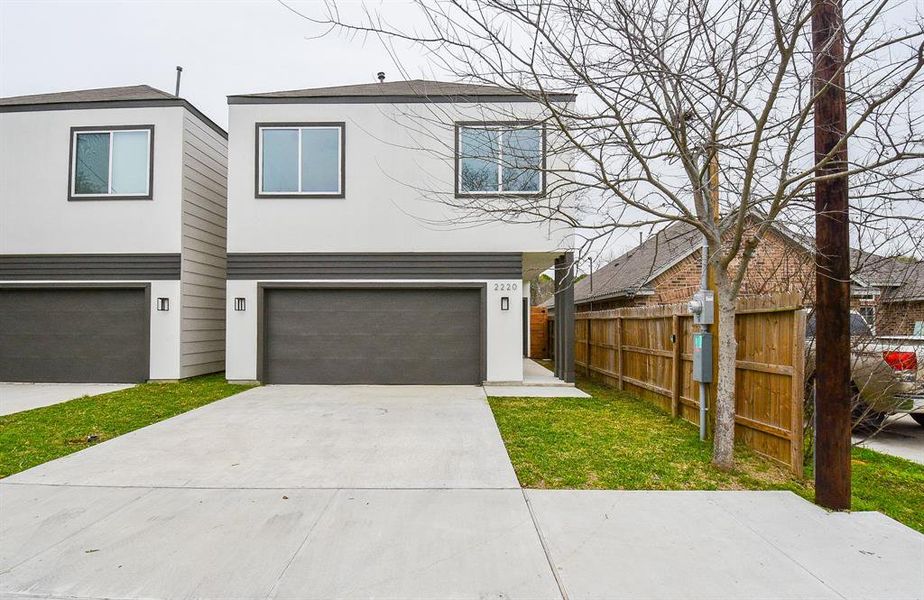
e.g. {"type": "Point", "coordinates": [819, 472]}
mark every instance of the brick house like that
{"type": "Point", "coordinates": [665, 269]}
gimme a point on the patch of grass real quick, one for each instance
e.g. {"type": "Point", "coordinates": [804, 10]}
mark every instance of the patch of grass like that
{"type": "Point", "coordinates": [36, 436]}
{"type": "Point", "coordinates": [891, 485]}
{"type": "Point", "coordinates": [617, 441]}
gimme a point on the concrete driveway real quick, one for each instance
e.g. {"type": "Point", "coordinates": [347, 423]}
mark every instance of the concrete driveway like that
{"type": "Point", "coordinates": [900, 436]}
{"type": "Point", "coordinates": [284, 492]}
{"type": "Point", "coordinates": [404, 492]}
{"type": "Point", "coordinates": [17, 397]}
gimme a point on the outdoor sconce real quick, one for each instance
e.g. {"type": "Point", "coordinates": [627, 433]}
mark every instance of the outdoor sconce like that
{"type": "Point", "coordinates": [505, 303]}
{"type": "Point", "coordinates": [240, 304]}
{"type": "Point", "coordinates": [163, 304]}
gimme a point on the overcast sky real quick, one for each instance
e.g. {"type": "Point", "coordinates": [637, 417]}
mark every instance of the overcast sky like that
{"type": "Point", "coordinates": [225, 47]}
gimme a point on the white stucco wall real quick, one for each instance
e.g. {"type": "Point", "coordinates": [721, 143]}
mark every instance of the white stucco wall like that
{"type": "Point", "coordinates": [241, 332]}
{"type": "Point", "coordinates": [165, 331]}
{"type": "Point", "coordinates": [399, 166]}
{"type": "Point", "coordinates": [503, 344]}
{"type": "Point", "coordinates": [35, 214]}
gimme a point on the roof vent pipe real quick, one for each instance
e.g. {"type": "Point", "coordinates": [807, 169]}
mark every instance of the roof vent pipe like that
{"type": "Point", "coordinates": [179, 73]}
{"type": "Point", "coordinates": [381, 76]}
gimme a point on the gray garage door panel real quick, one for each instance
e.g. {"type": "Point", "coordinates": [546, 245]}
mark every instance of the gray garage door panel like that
{"type": "Point", "coordinates": [386, 336]}
{"type": "Point", "coordinates": [73, 335]}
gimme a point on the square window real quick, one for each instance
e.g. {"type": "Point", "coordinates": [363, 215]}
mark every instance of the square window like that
{"type": "Point", "coordinates": [300, 160]}
{"type": "Point", "coordinates": [500, 159]}
{"type": "Point", "coordinates": [111, 163]}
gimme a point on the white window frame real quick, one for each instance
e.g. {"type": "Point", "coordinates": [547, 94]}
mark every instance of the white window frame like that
{"type": "Point", "coordinates": [339, 128]}
{"type": "Point", "coordinates": [110, 131]}
{"type": "Point", "coordinates": [500, 127]}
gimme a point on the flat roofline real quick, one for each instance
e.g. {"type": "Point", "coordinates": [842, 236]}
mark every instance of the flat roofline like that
{"type": "Point", "coordinates": [88, 105]}
{"type": "Point", "coordinates": [395, 99]}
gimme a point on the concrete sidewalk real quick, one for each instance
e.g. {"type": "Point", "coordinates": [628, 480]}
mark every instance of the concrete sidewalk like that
{"type": "Point", "coordinates": [17, 397]}
{"type": "Point", "coordinates": [404, 492]}
{"type": "Point", "coordinates": [741, 545]}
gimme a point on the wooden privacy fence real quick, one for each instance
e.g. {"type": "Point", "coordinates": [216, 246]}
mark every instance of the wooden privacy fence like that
{"type": "Point", "coordinates": [649, 352]}
{"type": "Point", "coordinates": [538, 332]}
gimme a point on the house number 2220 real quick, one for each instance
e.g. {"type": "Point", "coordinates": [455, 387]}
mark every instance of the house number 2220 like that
{"type": "Point", "coordinates": [505, 287]}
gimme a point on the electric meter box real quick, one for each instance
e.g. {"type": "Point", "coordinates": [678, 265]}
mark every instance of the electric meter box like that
{"type": "Point", "coordinates": [702, 357]}
{"type": "Point", "coordinates": [702, 307]}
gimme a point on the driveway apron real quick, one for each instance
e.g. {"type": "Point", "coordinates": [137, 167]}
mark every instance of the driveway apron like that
{"type": "Point", "coordinates": [283, 492]}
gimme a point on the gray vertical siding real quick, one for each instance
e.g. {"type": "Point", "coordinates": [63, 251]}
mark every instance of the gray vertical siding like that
{"type": "Point", "coordinates": [204, 257]}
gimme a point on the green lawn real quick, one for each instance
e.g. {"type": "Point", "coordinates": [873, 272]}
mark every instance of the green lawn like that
{"type": "Point", "coordinates": [617, 441]}
{"type": "Point", "coordinates": [35, 436]}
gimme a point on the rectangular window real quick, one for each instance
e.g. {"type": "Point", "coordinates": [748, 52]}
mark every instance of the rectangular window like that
{"type": "Point", "coordinates": [500, 159]}
{"type": "Point", "coordinates": [111, 162]}
{"type": "Point", "coordinates": [300, 160]}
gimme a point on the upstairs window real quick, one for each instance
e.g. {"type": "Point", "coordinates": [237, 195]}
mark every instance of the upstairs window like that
{"type": "Point", "coordinates": [300, 160]}
{"type": "Point", "coordinates": [111, 163]}
{"type": "Point", "coordinates": [500, 159]}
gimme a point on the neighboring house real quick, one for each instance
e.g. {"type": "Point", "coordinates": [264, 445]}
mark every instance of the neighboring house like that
{"type": "Point", "coordinates": [901, 308]}
{"type": "Point", "coordinates": [665, 269]}
{"type": "Point", "coordinates": [344, 264]}
{"type": "Point", "coordinates": [112, 237]}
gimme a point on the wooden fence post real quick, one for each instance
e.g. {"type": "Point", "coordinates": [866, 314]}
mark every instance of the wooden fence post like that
{"type": "Point", "coordinates": [587, 359]}
{"type": "Point", "coordinates": [798, 392]}
{"type": "Point", "coordinates": [675, 367]}
{"type": "Point", "coordinates": [619, 368]}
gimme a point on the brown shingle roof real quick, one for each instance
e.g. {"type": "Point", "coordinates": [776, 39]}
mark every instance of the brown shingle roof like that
{"type": "Point", "coordinates": [132, 92]}
{"type": "Point", "coordinates": [629, 274]}
{"type": "Point", "coordinates": [393, 90]}
{"type": "Point", "coordinates": [632, 272]}
{"type": "Point", "coordinates": [131, 96]}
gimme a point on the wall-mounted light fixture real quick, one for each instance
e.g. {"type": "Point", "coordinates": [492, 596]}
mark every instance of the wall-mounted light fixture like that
{"type": "Point", "coordinates": [240, 304]}
{"type": "Point", "coordinates": [163, 304]}
{"type": "Point", "coordinates": [505, 303]}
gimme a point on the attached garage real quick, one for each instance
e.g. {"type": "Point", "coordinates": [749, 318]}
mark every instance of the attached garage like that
{"type": "Point", "coordinates": [373, 335]}
{"type": "Point", "coordinates": [64, 334]}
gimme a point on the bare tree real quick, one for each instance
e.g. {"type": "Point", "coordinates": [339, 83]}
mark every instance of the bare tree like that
{"type": "Point", "coordinates": [668, 86]}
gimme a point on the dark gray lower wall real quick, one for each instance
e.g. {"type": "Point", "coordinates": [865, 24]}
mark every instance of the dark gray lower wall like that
{"type": "Point", "coordinates": [564, 317]}
{"type": "Point", "coordinates": [84, 267]}
{"type": "Point", "coordinates": [461, 265]}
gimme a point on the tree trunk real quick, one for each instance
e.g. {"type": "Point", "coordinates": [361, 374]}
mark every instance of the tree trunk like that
{"type": "Point", "coordinates": [724, 441]}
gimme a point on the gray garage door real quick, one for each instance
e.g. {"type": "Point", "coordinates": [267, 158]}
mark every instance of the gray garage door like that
{"type": "Point", "coordinates": [393, 336]}
{"type": "Point", "coordinates": [76, 335]}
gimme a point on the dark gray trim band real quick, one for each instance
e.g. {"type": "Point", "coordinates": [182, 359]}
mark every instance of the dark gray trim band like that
{"type": "Point", "coordinates": [261, 316]}
{"type": "Point", "coordinates": [32, 267]}
{"type": "Point", "coordinates": [396, 99]}
{"type": "Point", "coordinates": [461, 265]}
{"type": "Point", "coordinates": [152, 103]}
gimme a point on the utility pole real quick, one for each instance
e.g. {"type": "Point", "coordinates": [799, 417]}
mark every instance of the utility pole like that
{"type": "Point", "coordinates": [832, 276]}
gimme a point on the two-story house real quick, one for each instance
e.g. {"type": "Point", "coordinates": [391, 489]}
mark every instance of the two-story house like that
{"type": "Point", "coordinates": [112, 237]}
{"type": "Point", "coordinates": [351, 257]}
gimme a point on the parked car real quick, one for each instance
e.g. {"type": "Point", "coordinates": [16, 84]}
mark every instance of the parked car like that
{"type": "Point", "coordinates": [887, 374]}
